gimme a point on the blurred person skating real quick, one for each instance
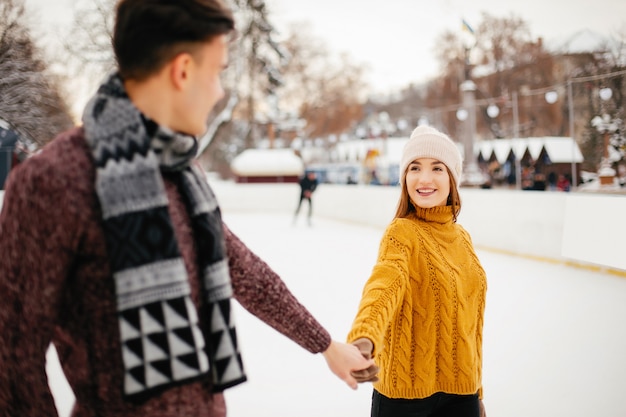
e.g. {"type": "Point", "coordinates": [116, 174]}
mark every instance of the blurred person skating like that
{"type": "Point", "coordinates": [421, 312]}
{"type": "Point", "coordinates": [114, 248]}
{"type": "Point", "coordinates": [308, 185]}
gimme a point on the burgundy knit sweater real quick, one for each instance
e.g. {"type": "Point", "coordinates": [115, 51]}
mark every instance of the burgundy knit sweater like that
{"type": "Point", "coordinates": [56, 286]}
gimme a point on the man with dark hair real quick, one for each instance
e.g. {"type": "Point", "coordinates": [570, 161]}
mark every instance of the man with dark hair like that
{"type": "Point", "coordinates": [113, 247]}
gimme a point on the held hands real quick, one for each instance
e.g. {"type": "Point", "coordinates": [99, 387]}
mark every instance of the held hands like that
{"type": "Point", "coordinates": [366, 347]}
{"type": "Point", "coordinates": [344, 360]}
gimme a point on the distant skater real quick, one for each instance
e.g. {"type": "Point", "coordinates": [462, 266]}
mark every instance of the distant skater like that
{"type": "Point", "coordinates": [308, 184]}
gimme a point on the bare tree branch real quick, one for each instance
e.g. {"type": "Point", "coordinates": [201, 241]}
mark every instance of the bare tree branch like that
{"type": "Point", "coordinates": [31, 100]}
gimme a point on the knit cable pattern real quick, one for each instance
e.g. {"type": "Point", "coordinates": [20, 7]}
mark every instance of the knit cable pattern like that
{"type": "Point", "coordinates": [423, 308]}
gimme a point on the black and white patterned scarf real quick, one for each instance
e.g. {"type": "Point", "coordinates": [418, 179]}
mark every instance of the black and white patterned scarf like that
{"type": "Point", "coordinates": [163, 343]}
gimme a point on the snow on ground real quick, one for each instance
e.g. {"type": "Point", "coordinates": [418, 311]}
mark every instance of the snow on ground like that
{"type": "Point", "coordinates": [554, 341]}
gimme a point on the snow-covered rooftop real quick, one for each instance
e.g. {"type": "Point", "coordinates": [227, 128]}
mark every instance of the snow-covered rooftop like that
{"type": "Point", "coordinates": [558, 149]}
{"type": "Point", "coordinates": [267, 162]}
{"type": "Point", "coordinates": [356, 150]}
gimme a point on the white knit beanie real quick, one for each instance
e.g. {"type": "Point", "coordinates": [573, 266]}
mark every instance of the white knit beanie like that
{"type": "Point", "coordinates": [428, 142]}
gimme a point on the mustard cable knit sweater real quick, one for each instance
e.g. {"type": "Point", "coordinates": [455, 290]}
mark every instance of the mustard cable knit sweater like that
{"type": "Point", "coordinates": [423, 308]}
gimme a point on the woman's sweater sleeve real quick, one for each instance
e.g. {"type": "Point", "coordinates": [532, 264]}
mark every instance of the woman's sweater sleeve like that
{"type": "Point", "coordinates": [35, 254]}
{"type": "Point", "coordinates": [383, 291]}
{"type": "Point", "coordinates": [261, 291]}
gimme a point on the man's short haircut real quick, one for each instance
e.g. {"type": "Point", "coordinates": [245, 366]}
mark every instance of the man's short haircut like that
{"type": "Point", "coordinates": [149, 33]}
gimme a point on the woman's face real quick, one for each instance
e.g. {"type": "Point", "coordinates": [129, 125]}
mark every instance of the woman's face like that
{"type": "Point", "coordinates": [428, 183]}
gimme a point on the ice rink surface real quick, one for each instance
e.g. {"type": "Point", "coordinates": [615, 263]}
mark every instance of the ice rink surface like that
{"type": "Point", "coordinates": [554, 336]}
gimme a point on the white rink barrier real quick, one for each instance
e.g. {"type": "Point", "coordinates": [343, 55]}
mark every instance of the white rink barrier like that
{"type": "Point", "coordinates": [582, 228]}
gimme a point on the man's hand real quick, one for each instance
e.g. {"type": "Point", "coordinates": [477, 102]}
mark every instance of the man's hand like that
{"type": "Point", "coordinates": [344, 359]}
{"type": "Point", "coordinates": [366, 347]}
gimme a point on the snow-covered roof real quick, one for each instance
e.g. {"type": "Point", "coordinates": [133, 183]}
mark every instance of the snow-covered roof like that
{"type": "Point", "coordinates": [501, 150]}
{"type": "Point", "coordinates": [267, 162]}
{"type": "Point", "coordinates": [356, 150]}
{"type": "Point", "coordinates": [562, 150]}
{"type": "Point", "coordinates": [389, 150]}
{"type": "Point", "coordinates": [534, 148]}
{"type": "Point", "coordinates": [558, 149]}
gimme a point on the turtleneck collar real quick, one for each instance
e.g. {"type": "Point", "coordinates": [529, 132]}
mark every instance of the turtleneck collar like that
{"type": "Point", "coordinates": [439, 214]}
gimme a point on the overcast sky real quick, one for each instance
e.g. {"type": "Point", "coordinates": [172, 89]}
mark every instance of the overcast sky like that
{"type": "Point", "coordinates": [395, 38]}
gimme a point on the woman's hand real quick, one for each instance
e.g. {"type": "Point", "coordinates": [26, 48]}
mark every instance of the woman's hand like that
{"type": "Point", "coordinates": [366, 347]}
{"type": "Point", "coordinates": [343, 359]}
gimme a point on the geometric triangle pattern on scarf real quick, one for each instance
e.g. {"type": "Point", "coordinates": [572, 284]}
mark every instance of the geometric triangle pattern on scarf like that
{"type": "Point", "coordinates": [223, 346]}
{"type": "Point", "coordinates": [161, 344]}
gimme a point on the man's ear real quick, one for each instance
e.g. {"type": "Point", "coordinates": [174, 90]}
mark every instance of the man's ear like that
{"type": "Point", "coordinates": [179, 70]}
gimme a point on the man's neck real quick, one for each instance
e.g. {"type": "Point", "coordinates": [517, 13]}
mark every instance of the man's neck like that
{"type": "Point", "coordinates": [151, 98]}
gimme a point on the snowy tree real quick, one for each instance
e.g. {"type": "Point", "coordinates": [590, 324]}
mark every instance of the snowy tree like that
{"type": "Point", "coordinates": [450, 54]}
{"type": "Point", "coordinates": [603, 68]}
{"type": "Point", "coordinates": [30, 97]}
{"type": "Point", "coordinates": [272, 79]}
{"type": "Point", "coordinates": [89, 39]}
{"type": "Point", "coordinates": [502, 42]}
{"type": "Point", "coordinates": [616, 64]}
{"type": "Point", "coordinates": [326, 90]}
{"type": "Point", "coordinates": [258, 60]}
{"type": "Point", "coordinates": [261, 72]}
{"type": "Point", "coordinates": [252, 75]}
{"type": "Point", "coordinates": [503, 60]}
